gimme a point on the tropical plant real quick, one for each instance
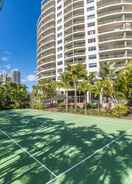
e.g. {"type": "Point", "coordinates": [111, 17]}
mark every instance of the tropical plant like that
{"type": "Point", "coordinates": [85, 86]}
{"type": "Point", "coordinates": [48, 88]}
{"type": "Point", "coordinates": [13, 96]}
{"type": "Point", "coordinates": [107, 70]}
{"type": "Point", "coordinates": [64, 84]}
{"type": "Point", "coordinates": [76, 73]}
{"type": "Point", "coordinates": [38, 97]}
{"type": "Point", "coordinates": [45, 89]}
{"type": "Point", "coordinates": [123, 85]}
{"type": "Point", "coordinates": [119, 110]}
{"type": "Point", "coordinates": [97, 90]}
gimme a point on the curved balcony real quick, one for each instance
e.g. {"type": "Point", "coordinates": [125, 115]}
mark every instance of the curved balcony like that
{"type": "Point", "coordinates": [115, 31]}
{"type": "Point", "coordinates": [113, 14]}
{"type": "Point", "coordinates": [45, 63]}
{"type": "Point", "coordinates": [110, 4]}
{"type": "Point", "coordinates": [41, 58]}
{"type": "Point", "coordinates": [114, 40]}
{"type": "Point", "coordinates": [46, 69]}
{"type": "Point", "coordinates": [50, 22]}
{"type": "Point", "coordinates": [47, 77]}
{"type": "Point", "coordinates": [114, 49]}
{"type": "Point", "coordinates": [116, 58]}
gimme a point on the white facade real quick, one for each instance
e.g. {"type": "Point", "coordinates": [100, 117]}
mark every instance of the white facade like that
{"type": "Point", "coordinates": [59, 37]}
{"type": "Point", "coordinates": [115, 30]}
{"type": "Point", "coordinates": [91, 31]}
{"type": "Point", "coordinates": [83, 31]}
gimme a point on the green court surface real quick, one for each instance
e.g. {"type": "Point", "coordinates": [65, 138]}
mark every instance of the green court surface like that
{"type": "Point", "coordinates": [38, 147]}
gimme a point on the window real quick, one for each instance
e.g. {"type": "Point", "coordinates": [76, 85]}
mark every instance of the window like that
{"type": "Point", "coordinates": [91, 32]}
{"type": "Point", "coordinates": [59, 34]}
{"type": "Point", "coordinates": [60, 70]}
{"type": "Point", "coordinates": [91, 16]}
{"type": "Point", "coordinates": [59, 49]}
{"type": "Point", "coordinates": [91, 24]}
{"type": "Point", "coordinates": [92, 48]}
{"type": "Point", "coordinates": [90, 1]}
{"type": "Point", "coordinates": [92, 65]}
{"type": "Point", "coordinates": [59, 28]}
{"type": "Point", "coordinates": [59, 56]}
{"type": "Point", "coordinates": [90, 8]}
{"type": "Point", "coordinates": [60, 13]}
{"type": "Point", "coordinates": [60, 63]}
{"type": "Point", "coordinates": [58, 1]}
{"type": "Point", "coordinates": [59, 41]}
{"type": "Point", "coordinates": [59, 7]}
{"type": "Point", "coordinates": [92, 56]}
{"type": "Point", "coordinates": [91, 40]}
{"type": "Point", "coordinates": [59, 21]}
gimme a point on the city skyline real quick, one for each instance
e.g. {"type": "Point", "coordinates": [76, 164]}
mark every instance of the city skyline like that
{"type": "Point", "coordinates": [13, 76]}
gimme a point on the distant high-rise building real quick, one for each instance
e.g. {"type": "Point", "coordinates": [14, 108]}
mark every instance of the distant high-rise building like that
{"type": "Point", "coordinates": [4, 77]}
{"type": "Point", "coordinates": [16, 76]}
{"type": "Point", "coordinates": [82, 31]}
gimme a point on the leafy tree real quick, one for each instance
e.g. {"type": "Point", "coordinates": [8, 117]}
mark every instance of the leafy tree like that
{"type": "Point", "coordinates": [107, 70]}
{"type": "Point", "coordinates": [13, 96]}
{"type": "Point", "coordinates": [64, 83]}
{"type": "Point", "coordinates": [97, 90]}
{"type": "Point", "coordinates": [45, 89]}
{"type": "Point", "coordinates": [76, 73]}
{"type": "Point", "coordinates": [123, 83]}
{"type": "Point", "coordinates": [85, 86]}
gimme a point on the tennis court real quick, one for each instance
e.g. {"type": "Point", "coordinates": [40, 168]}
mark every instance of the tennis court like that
{"type": "Point", "coordinates": [39, 147]}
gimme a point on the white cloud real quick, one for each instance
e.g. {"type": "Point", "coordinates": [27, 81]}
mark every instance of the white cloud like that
{"type": "Point", "coordinates": [8, 66]}
{"type": "Point", "coordinates": [23, 80]}
{"type": "Point", "coordinates": [4, 58]}
{"type": "Point", "coordinates": [31, 77]}
{"type": "Point", "coordinates": [6, 52]}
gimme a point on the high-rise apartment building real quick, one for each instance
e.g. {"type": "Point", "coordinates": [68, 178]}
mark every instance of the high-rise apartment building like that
{"type": "Point", "coordinates": [46, 36]}
{"type": "Point", "coordinates": [82, 31]}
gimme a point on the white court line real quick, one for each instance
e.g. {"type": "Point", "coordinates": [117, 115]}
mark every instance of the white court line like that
{"type": "Point", "coordinates": [87, 158]}
{"type": "Point", "coordinates": [40, 163]}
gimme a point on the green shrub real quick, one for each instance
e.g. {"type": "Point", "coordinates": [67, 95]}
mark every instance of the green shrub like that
{"type": "Point", "coordinates": [92, 106]}
{"type": "Point", "coordinates": [38, 106]}
{"type": "Point", "coordinates": [120, 110]}
{"type": "Point", "coordinates": [61, 105]}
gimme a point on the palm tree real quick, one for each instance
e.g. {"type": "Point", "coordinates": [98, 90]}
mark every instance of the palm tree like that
{"type": "Point", "coordinates": [64, 83]}
{"type": "Point", "coordinates": [107, 70]}
{"type": "Point", "coordinates": [123, 83]}
{"type": "Point", "coordinates": [13, 96]}
{"type": "Point", "coordinates": [76, 73]}
{"type": "Point", "coordinates": [97, 90]}
{"type": "Point", "coordinates": [49, 89]}
{"type": "Point", "coordinates": [85, 87]}
{"type": "Point", "coordinates": [37, 96]}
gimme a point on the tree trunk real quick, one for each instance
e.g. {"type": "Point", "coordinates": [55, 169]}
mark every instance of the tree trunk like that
{"type": "Point", "coordinates": [99, 103]}
{"type": "Point", "coordinates": [85, 96]}
{"type": "Point", "coordinates": [75, 99]}
{"type": "Point", "coordinates": [66, 101]}
{"type": "Point", "coordinates": [98, 106]}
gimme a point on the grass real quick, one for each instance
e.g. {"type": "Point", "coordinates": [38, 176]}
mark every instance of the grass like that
{"type": "Point", "coordinates": [30, 140]}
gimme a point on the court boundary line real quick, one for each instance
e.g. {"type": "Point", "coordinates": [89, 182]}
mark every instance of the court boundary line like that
{"type": "Point", "coordinates": [28, 153]}
{"type": "Point", "coordinates": [88, 157]}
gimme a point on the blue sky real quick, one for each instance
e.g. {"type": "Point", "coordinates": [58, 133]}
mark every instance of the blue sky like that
{"type": "Point", "coordinates": [18, 37]}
